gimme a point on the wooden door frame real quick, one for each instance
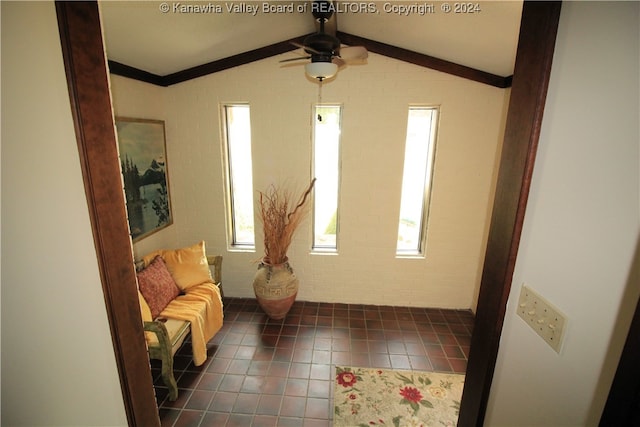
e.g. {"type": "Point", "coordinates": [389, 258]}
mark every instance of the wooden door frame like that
{"type": "Point", "coordinates": [86, 68]}
{"type": "Point", "coordinates": [89, 93]}
{"type": "Point", "coordinates": [538, 29]}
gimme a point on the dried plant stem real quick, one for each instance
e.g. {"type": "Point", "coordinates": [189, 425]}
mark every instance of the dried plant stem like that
{"type": "Point", "coordinates": [279, 222]}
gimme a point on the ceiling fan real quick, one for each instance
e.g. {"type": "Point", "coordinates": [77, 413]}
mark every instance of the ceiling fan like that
{"type": "Point", "coordinates": [324, 48]}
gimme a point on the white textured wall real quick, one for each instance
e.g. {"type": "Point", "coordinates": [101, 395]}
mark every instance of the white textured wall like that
{"type": "Point", "coordinates": [582, 225]}
{"type": "Point", "coordinates": [58, 365]}
{"type": "Point", "coordinates": [375, 99]}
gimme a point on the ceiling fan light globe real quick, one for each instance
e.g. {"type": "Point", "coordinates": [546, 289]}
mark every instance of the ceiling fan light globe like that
{"type": "Point", "coordinates": [321, 70]}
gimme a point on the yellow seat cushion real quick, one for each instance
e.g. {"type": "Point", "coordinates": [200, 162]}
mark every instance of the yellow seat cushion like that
{"type": "Point", "coordinates": [177, 331]}
{"type": "Point", "coordinates": [188, 266]}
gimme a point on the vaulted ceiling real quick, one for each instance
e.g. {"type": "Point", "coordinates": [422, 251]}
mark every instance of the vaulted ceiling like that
{"type": "Point", "coordinates": [173, 41]}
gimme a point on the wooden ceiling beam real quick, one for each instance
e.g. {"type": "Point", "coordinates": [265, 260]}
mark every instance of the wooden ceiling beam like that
{"type": "Point", "coordinates": [233, 61]}
{"type": "Point", "coordinates": [205, 69]}
{"type": "Point", "coordinates": [287, 46]}
{"type": "Point", "coordinates": [425, 60]}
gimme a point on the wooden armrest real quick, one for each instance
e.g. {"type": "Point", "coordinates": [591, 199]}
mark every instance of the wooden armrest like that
{"type": "Point", "coordinates": [216, 262]}
{"type": "Point", "coordinates": [160, 330]}
{"type": "Point", "coordinates": [165, 354]}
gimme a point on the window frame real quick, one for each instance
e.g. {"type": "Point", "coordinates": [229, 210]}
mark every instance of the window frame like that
{"type": "Point", "coordinates": [326, 249]}
{"type": "Point", "coordinates": [421, 250]}
{"type": "Point", "coordinates": [231, 232]}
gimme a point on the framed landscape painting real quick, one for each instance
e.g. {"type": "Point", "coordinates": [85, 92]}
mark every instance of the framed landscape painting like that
{"type": "Point", "coordinates": [143, 160]}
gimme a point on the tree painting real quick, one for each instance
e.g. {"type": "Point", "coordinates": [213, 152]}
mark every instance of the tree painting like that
{"type": "Point", "coordinates": [145, 178]}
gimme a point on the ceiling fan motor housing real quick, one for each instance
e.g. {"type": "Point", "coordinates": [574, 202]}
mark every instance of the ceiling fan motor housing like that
{"type": "Point", "coordinates": [321, 46]}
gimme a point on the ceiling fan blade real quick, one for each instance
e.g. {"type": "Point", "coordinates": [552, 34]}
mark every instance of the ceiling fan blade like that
{"type": "Point", "coordinates": [295, 59]}
{"type": "Point", "coordinates": [296, 44]}
{"type": "Point", "coordinates": [339, 61]}
{"type": "Point", "coordinates": [307, 49]}
{"type": "Point", "coordinates": [354, 53]}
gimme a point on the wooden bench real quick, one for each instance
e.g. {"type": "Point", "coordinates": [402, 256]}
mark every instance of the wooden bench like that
{"type": "Point", "coordinates": [167, 335]}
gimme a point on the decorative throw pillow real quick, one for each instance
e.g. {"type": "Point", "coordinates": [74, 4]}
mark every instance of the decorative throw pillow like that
{"type": "Point", "coordinates": [188, 266]}
{"type": "Point", "coordinates": [157, 286]}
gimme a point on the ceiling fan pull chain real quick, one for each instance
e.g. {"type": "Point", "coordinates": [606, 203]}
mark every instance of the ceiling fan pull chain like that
{"type": "Point", "coordinates": [319, 117]}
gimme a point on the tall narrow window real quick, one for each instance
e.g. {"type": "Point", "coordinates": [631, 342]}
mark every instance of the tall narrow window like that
{"type": "Point", "coordinates": [416, 180]}
{"type": "Point", "coordinates": [239, 185]}
{"type": "Point", "coordinates": [326, 169]}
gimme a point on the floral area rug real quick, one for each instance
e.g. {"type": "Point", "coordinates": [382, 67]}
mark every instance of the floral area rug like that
{"type": "Point", "coordinates": [374, 397]}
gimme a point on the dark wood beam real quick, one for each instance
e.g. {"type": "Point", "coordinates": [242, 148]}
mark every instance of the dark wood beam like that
{"type": "Point", "coordinates": [232, 61]}
{"type": "Point", "coordinates": [425, 60]}
{"type": "Point", "coordinates": [86, 71]}
{"type": "Point", "coordinates": [205, 69]}
{"type": "Point", "coordinates": [135, 73]}
{"type": "Point", "coordinates": [286, 46]}
{"type": "Point", "coordinates": [536, 45]}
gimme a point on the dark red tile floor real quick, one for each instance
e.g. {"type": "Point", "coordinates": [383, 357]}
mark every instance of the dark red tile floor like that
{"type": "Point", "coordinates": [262, 372]}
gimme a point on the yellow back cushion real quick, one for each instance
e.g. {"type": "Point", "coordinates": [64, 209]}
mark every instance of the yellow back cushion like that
{"type": "Point", "coordinates": [188, 266]}
{"type": "Point", "coordinates": [144, 308]}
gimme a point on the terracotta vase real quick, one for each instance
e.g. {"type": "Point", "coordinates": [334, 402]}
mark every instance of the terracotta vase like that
{"type": "Point", "coordinates": [276, 288]}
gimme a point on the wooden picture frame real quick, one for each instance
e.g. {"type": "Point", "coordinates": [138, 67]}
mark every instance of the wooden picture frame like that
{"type": "Point", "coordinates": [143, 160]}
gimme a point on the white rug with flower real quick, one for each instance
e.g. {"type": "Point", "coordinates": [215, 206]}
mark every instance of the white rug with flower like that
{"type": "Point", "coordinates": [372, 397]}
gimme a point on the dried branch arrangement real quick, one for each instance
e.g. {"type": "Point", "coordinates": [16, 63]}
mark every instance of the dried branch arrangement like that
{"type": "Point", "coordinates": [280, 218]}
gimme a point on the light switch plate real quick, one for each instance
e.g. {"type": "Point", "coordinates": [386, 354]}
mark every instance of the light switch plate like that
{"type": "Point", "coordinates": [542, 316]}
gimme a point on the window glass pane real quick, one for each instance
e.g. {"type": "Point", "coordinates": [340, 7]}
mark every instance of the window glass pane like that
{"type": "Point", "coordinates": [326, 168]}
{"type": "Point", "coordinates": [416, 180]}
{"type": "Point", "coordinates": [239, 174]}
